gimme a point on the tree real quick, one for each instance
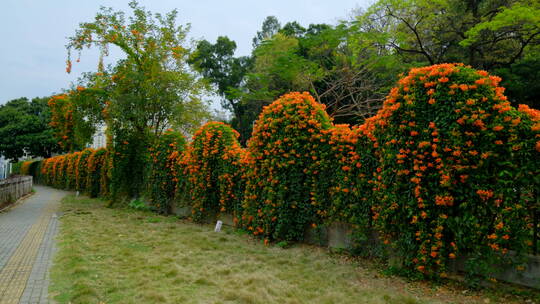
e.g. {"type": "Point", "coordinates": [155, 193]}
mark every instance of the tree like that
{"type": "Point", "coordinates": [153, 84]}
{"type": "Point", "coordinates": [486, 34]}
{"type": "Point", "coordinates": [217, 64]}
{"type": "Point", "coordinates": [316, 59]}
{"type": "Point", "coordinates": [293, 29]}
{"type": "Point", "coordinates": [278, 60]}
{"type": "Point", "coordinates": [270, 27]}
{"type": "Point", "coordinates": [522, 80]}
{"type": "Point", "coordinates": [149, 91]}
{"type": "Point", "coordinates": [501, 32]}
{"type": "Point", "coordinates": [350, 86]}
{"type": "Point", "coordinates": [24, 128]}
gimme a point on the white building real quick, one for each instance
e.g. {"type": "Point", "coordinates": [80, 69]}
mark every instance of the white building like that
{"type": "Point", "coordinates": [5, 167]}
{"type": "Point", "coordinates": [99, 140]}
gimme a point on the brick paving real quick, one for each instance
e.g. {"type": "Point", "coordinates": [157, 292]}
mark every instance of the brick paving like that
{"type": "Point", "coordinates": [27, 234]}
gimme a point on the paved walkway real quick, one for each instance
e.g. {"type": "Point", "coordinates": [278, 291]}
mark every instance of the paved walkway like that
{"type": "Point", "coordinates": [26, 245]}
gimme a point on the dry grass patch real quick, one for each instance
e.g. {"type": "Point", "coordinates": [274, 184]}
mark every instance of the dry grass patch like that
{"type": "Point", "coordinates": [127, 256]}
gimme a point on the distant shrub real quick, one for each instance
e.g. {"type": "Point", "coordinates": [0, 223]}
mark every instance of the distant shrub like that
{"type": "Point", "coordinates": [34, 169]}
{"type": "Point", "coordinates": [25, 167]}
{"type": "Point", "coordinates": [81, 169]}
{"type": "Point", "coordinates": [16, 168]}
{"type": "Point", "coordinates": [71, 177]}
{"type": "Point", "coordinates": [95, 164]}
{"type": "Point", "coordinates": [138, 205]}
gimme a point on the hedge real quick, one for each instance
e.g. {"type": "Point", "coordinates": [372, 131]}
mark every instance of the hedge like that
{"type": "Point", "coordinates": [447, 168]}
{"type": "Point", "coordinates": [212, 171]}
{"type": "Point", "coordinates": [458, 165]}
{"type": "Point", "coordinates": [81, 169]}
{"type": "Point", "coordinates": [85, 171]}
{"type": "Point", "coordinates": [96, 165]}
{"type": "Point", "coordinates": [164, 170]}
{"type": "Point", "coordinates": [71, 180]}
{"type": "Point", "coordinates": [345, 184]}
{"type": "Point", "coordinates": [283, 152]}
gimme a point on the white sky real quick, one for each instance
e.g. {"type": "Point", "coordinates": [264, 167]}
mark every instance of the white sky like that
{"type": "Point", "coordinates": [33, 32]}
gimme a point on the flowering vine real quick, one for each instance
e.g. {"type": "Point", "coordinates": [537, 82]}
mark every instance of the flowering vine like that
{"type": "Point", "coordinates": [212, 170]}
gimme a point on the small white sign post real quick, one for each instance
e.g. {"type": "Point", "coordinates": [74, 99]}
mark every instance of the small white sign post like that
{"type": "Point", "coordinates": [218, 226]}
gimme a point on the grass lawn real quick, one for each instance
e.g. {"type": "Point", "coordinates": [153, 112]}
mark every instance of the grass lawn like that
{"type": "Point", "coordinates": [126, 256]}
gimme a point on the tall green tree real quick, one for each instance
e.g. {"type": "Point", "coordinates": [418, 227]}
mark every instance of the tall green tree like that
{"type": "Point", "coordinates": [495, 35]}
{"type": "Point", "coordinates": [351, 66]}
{"type": "Point", "coordinates": [25, 129]}
{"type": "Point", "coordinates": [522, 80]}
{"type": "Point", "coordinates": [243, 91]}
{"type": "Point", "coordinates": [220, 67]}
{"type": "Point", "coordinates": [141, 96]}
{"type": "Point", "coordinates": [316, 59]}
{"type": "Point", "coordinates": [270, 27]}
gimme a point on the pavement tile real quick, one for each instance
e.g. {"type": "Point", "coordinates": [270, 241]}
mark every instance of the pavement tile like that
{"type": "Point", "coordinates": [27, 234]}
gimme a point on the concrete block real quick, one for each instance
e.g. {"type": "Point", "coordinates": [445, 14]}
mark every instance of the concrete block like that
{"type": "Point", "coordinates": [181, 211]}
{"type": "Point", "coordinates": [340, 236]}
{"type": "Point", "coordinates": [226, 218]}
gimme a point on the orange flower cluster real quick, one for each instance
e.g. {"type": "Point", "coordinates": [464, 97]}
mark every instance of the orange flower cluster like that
{"type": "Point", "coordinates": [433, 165]}
{"type": "Point", "coordinates": [212, 171]}
{"type": "Point", "coordinates": [165, 172]}
{"type": "Point", "coordinates": [96, 173]}
{"type": "Point", "coordinates": [283, 158]}
{"type": "Point", "coordinates": [534, 116]}
{"type": "Point", "coordinates": [71, 179]}
{"type": "Point", "coordinates": [84, 171]}
{"type": "Point", "coordinates": [62, 110]}
{"type": "Point", "coordinates": [81, 166]}
{"type": "Point", "coordinates": [434, 173]}
{"type": "Point", "coordinates": [25, 168]}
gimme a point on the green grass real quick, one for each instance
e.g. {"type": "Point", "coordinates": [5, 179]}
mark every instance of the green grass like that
{"type": "Point", "coordinates": [128, 256]}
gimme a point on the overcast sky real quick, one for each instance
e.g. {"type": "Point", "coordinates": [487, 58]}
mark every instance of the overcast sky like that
{"type": "Point", "coordinates": [33, 32]}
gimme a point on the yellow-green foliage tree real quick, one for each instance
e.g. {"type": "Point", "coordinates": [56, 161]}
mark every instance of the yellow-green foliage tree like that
{"type": "Point", "coordinates": [139, 97]}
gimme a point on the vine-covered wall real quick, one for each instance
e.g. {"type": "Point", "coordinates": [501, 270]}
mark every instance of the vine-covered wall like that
{"type": "Point", "coordinates": [447, 168]}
